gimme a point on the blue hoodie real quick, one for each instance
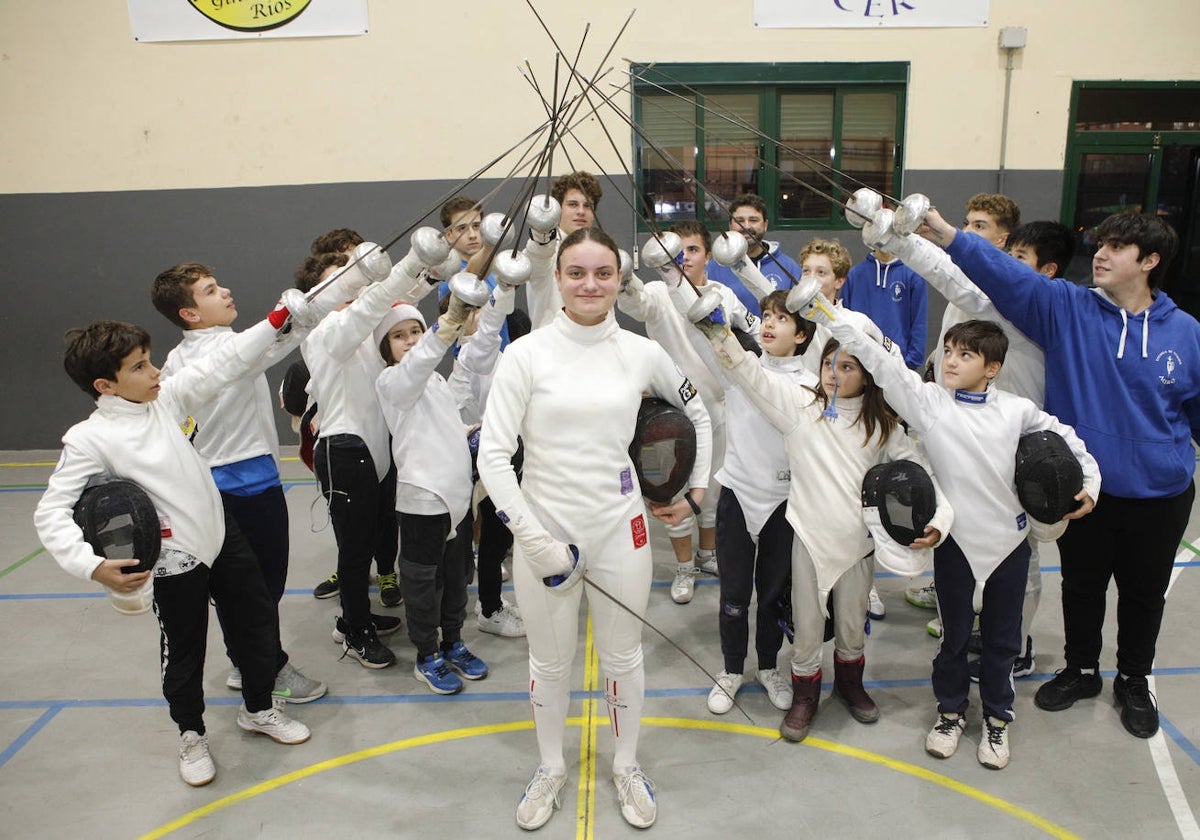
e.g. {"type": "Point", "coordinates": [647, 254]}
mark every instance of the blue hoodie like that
{"type": "Point", "coordinates": [1129, 384]}
{"type": "Point", "coordinates": [780, 269]}
{"type": "Point", "coordinates": [894, 297]}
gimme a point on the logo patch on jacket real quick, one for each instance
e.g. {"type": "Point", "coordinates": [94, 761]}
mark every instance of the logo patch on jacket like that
{"type": "Point", "coordinates": [189, 427]}
{"type": "Point", "coordinates": [686, 391]}
{"type": "Point", "coordinates": [1171, 362]}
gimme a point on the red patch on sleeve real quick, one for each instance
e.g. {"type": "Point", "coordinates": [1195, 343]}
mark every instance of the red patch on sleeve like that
{"type": "Point", "coordinates": [638, 526]}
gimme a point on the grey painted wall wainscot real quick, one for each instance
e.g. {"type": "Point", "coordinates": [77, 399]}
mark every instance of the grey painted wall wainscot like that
{"type": "Point", "coordinates": [73, 258]}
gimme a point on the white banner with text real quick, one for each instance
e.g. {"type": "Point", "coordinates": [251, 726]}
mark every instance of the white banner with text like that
{"type": "Point", "coordinates": [205, 20]}
{"type": "Point", "coordinates": [852, 14]}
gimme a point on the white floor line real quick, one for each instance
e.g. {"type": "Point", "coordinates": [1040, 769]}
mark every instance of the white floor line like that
{"type": "Point", "coordinates": [1167, 777]}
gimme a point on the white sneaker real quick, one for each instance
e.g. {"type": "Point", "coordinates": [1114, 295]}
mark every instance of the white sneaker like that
{"type": "Point", "coordinates": [503, 622]}
{"type": "Point", "coordinates": [195, 762]}
{"type": "Point", "coordinates": [707, 563]}
{"type": "Point", "coordinates": [540, 799]}
{"type": "Point", "coordinates": [942, 740]}
{"type": "Point", "coordinates": [504, 573]}
{"type": "Point", "coordinates": [875, 608]}
{"type": "Point", "coordinates": [684, 585]}
{"type": "Point", "coordinates": [934, 628]}
{"type": "Point", "coordinates": [993, 746]}
{"type": "Point", "coordinates": [779, 688]}
{"type": "Point", "coordinates": [635, 792]}
{"type": "Point", "coordinates": [274, 724]}
{"type": "Point", "coordinates": [720, 699]}
{"type": "Point", "coordinates": [924, 597]}
{"type": "Point", "coordinates": [234, 680]}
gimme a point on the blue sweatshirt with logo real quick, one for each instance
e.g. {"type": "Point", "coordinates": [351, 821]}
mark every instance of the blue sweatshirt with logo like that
{"type": "Point", "coordinates": [1129, 384]}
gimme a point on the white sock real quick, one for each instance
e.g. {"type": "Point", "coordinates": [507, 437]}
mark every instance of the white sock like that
{"type": "Point", "coordinates": [550, 700]}
{"type": "Point", "coordinates": [625, 696]}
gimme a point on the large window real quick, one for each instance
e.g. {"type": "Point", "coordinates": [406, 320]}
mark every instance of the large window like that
{"type": "Point", "coordinates": [793, 133]}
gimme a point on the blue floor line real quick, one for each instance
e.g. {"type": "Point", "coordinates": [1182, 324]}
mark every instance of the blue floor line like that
{"type": "Point", "coordinates": [27, 736]}
{"type": "Point", "coordinates": [53, 707]}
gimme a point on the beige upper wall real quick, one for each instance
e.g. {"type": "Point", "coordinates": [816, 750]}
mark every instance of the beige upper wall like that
{"type": "Point", "coordinates": [433, 94]}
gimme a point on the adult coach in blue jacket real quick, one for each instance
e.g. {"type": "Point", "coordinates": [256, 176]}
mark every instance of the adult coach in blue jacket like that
{"type": "Point", "coordinates": [1123, 368]}
{"type": "Point", "coordinates": [748, 215]}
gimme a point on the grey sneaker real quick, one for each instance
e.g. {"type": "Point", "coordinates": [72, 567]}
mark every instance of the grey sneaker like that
{"type": "Point", "coordinates": [707, 563]}
{"type": "Point", "coordinates": [924, 597]}
{"type": "Point", "coordinates": [195, 762]}
{"type": "Point", "coordinates": [684, 584]}
{"type": "Point", "coordinates": [291, 686]}
{"type": "Point", "coordinates": [635, 792]}
{"type": "Point", "coordinates": [234, 681]}
{"type": "Point", "coordinates": [274, 724]}
{"type": "Point", "coordinates": [540, 799]}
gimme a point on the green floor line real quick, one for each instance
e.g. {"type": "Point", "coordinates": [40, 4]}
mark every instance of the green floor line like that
{"type": "Point", "coordinates": [21, 562]}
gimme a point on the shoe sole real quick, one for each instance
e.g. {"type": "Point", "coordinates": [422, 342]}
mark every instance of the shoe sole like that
{"type": "Point", "coordinates": [495, 632]}
{"type": "Point", "coordinates": [876, 616]}
{"type": "Point", "coordinates": [534, 826]}
{"type": "Point", "coordinates": [858, 714]}
{"type": "Point", "coordinates": [465, 675]}
{"type": "Point", "coordinates": [252, 728]}
{"type": "Point", "coordinates": [200, 783]}
{"type": "Point", "coordinates": [928, 751]}
{"type": "Point", "coordinates": [793, 735]}
{"type": "Point", "coordinates": [920, 605]}
{"type": "Point", "coordinates": [992, 765]}
{"type": "Point", "coordinates": [324, 595]}
{"type": "Point", "coordinates": [1059, 707]}
{"type": "Point", "coordinates": [432, 687]}
{"type": "Point", "coordinates": [396, 603]}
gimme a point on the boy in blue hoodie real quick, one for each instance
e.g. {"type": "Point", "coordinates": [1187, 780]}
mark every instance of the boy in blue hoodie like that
{"type": "Point", "coordinates": [1123, 368]}
{"type": "Point", "coordinates": [893, 296]}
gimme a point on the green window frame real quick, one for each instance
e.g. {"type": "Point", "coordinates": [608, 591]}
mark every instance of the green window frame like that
{"type": "Point", "coordinates": [839, 115]}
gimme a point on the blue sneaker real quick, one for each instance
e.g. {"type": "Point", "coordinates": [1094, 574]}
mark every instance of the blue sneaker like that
{"type": "Point", "coordinates": [466, 663]}
{"type": "Point", "coordinates": [435, 673]}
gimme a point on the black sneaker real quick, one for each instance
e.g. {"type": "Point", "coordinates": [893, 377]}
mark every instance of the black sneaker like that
{"type": "Point", "coordinates": [365, 646]}
{"type": "Point", "coordinates": [389, 590]}
{"type": "Point", "coordinates": [1068, 685]}
{"type": "Point", "coordinates": [1139, 713]}
{"type": "Point", "coordinates": [327, 588]}
{"type": "Point", "coordinates": [385, 625]}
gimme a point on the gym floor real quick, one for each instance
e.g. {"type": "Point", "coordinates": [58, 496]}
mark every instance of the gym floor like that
{"type": "Point", "coordinates": [87, 747]}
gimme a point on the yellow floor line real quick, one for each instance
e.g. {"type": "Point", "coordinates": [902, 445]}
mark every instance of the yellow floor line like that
{"type": "Point", "coordinates": [585, 808]}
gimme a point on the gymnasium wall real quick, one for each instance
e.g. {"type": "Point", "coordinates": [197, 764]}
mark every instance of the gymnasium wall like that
{"type": "Point", "coordinates": [120, 158]}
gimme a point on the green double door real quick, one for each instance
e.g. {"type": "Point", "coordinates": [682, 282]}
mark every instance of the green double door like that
{"type": "Point", "coordinates": [1148, 172]}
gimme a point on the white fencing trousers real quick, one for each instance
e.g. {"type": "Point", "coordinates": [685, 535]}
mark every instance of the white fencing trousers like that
{"type": "Point", "coordinates": [552, 631]}
{"type": "Point", "coordinates": [849, 598]}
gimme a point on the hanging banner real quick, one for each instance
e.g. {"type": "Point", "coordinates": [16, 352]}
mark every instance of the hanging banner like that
{"type": "Point", "coordinates": [886, 14]}
{"type": "Point", "coordinates": [202, 20]}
